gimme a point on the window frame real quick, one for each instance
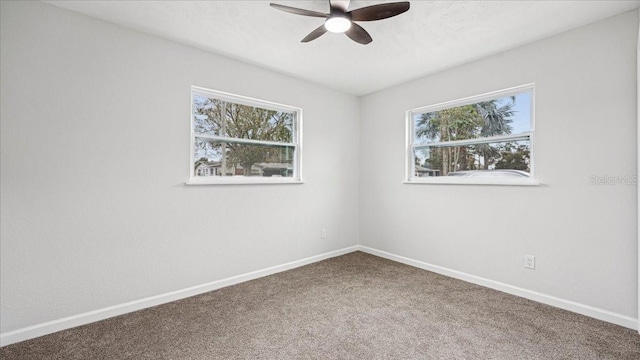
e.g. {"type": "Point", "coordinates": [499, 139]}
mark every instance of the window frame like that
{"type": "Point", "coordinates": [296, 143]}
{"type": "Point", "coordinates": [410, 177]}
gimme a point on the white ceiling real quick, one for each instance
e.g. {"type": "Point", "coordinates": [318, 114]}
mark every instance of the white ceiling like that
{"type": "Point", "coordinates": [431, 36]}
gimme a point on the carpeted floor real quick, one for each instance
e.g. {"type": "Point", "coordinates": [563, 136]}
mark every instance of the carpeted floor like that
{"type": "Point", "coordinates": [355, 306]}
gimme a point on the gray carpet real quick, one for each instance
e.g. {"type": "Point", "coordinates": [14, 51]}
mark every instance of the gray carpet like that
{"type": "Point", "coordinates": [355, 306]}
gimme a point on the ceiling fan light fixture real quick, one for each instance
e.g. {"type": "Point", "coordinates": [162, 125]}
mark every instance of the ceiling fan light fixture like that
{"type": "Point", "coordinates": [341, 20]}
{"type": "Point", "coordinates": [337, 24]}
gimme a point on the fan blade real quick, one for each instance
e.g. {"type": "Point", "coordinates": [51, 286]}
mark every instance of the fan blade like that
{"type": "Point", "coordinates": [358, 34]}
{"type": "Point", "coordinates": [315, 34]}
{"type": "Point", "coordinates": [297, 11]}
{"type": "Point", "coordinates": [379, 12]}
{"type": "Point", "coordinates": [340, 4]}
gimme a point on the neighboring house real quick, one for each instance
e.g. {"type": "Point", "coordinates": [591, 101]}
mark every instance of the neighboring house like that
{"type": "Point", "coordinates": [214, 168]}
{"type": "Point", "coordinates": [207, 168]}
{"type": "Point", "coordinates": [275, 169]}
{"type": "Point", "coordinates": [423, 171]}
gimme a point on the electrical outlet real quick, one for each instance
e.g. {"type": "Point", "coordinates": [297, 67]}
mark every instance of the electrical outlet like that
{"type": "Point", "coordinates": [530, 261]}
{"type": "Point", "coordinates": [323, 233]}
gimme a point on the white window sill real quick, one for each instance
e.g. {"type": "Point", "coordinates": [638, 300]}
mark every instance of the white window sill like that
{"type": "Point", "coordinates": [242, 180]}
{"type": "Point", "coordinates": [443, 180]}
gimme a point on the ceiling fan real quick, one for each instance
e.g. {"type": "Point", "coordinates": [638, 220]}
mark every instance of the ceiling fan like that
{"type": "Point", "coordinates": [339, 20]}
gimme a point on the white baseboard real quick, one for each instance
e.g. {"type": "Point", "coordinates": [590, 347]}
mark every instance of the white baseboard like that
{"type": "Point", "coordinates": [38, 330]}
{"type": "Point", "coordinates": [573, 306]}
{"type": "Point", "coordinates": [34, 331]}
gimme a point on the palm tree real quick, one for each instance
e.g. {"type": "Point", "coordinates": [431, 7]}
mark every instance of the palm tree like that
{"type": "Point", "coordinates": [496, 120]}
{"type": "Point", "coordinates": [446, 125]}
{"type": "Point", "coordinates": [483, 119]}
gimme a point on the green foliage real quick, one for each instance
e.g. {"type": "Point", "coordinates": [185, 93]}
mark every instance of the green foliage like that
{"type": "Point", "coordinates": [483, 119]}
{"type": "Point", "coordinates": [514, 157]}
{"type": "Point", "coordinates": [237, 121]}
{"type": "Point", "coordinates": [450, 124]}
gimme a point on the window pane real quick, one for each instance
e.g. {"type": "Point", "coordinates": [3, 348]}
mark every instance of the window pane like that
{"type": "Point", "coordinates": [224, 118]}
{"type": "Point", "coordinates": [215, 158]}
{"type": "Point", "coordinates": [509, 159]}
{"type": "Point", "coordinates": [500, 116]}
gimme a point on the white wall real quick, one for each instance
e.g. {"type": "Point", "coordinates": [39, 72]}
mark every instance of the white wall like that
{"type": "Point", "coordinates": [583, 236]}
{"type": "Point", "coordinates": [638, 159]}
{"type": "Point", "coordinates": [95, 148]}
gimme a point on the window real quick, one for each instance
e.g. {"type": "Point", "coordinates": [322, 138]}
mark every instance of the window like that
{"type": "Point", "coordinates": [238, 140]}
{"type": "Point", "coordinates": [485, 139]}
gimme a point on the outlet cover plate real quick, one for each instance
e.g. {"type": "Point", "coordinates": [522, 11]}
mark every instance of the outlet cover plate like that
{"type": "Point", "coordinates": [529, 261]}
